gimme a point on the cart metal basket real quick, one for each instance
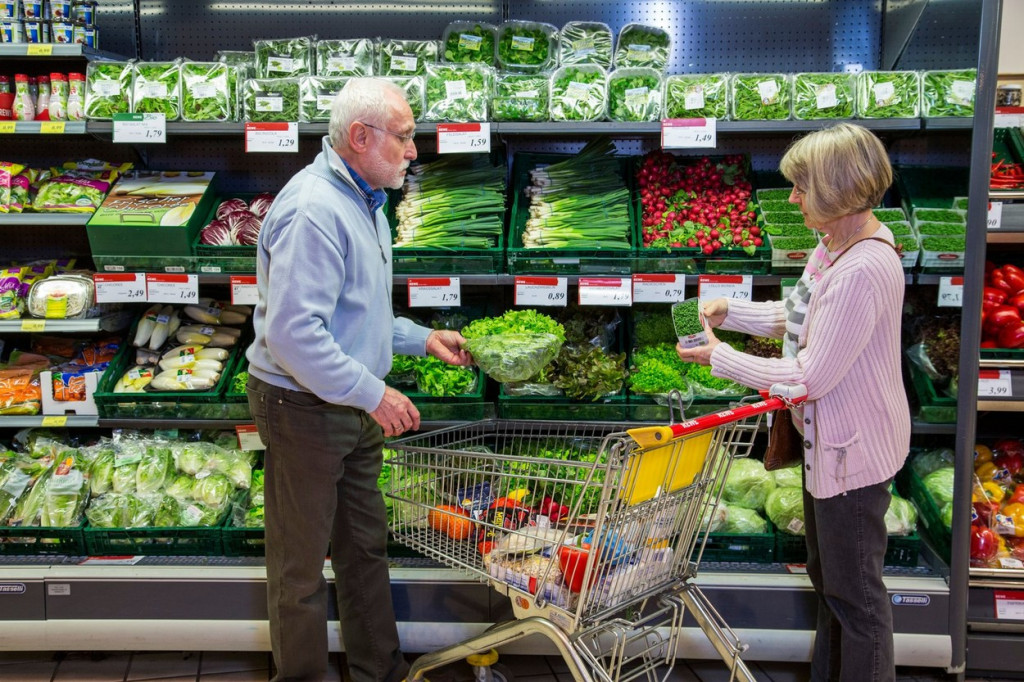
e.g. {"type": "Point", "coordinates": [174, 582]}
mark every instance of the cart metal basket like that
{"type": "Point", "coordinates": [594, 531]}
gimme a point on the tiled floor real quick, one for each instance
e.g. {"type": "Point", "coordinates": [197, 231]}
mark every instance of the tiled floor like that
{"type": "Point", "coordinates": [257, 666]}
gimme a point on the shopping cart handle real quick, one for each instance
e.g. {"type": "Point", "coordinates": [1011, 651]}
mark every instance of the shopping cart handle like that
{"type": "Point", "coordinates": [790, 392]}
{"type": "Point", "coordinates": [649, 436]}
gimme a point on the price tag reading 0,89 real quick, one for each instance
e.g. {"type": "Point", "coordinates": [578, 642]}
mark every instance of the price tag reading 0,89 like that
{"type": "Point", "coordinates": [172, 288]}
{"type": "Point", "coordinates": [739, 287]}
{"type": "Point", "coordinates": [426, 292]}
{"type": "Point", "coordinates": [658, 288]}
{"type": "Point", "coordinates": [541, 291]}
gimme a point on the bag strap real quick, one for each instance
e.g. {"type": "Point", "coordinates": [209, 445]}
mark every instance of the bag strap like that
{"type": "Point", "coordinates": [894, 247]}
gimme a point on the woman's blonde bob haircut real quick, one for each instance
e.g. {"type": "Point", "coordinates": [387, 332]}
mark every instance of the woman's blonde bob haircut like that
{"type": "Point", "coordinates": [842, 170]}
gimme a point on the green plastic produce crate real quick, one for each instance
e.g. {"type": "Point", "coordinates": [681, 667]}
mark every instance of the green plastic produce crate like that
{"type": "Point", "coordinates": [929, 514]}
{"type": "Point", "coordinates": [901, 550]}
{"type": "Point", "coordinates": [238, 541]}
{"type": "Point", "coordinates": [237, 403]}
{"type": "Point", "coordinates": [234, 258]}
{"type": "Point", "coordinates": [751, 548]}
{"type": "Point", "coordinates": [42, 541]}
{"type": "Point", "coordinates": [608, 408]}
{"type": "Point", "coordinates": [169, 264]}
{"type": "Point", "coordinates": [467, 406]}
{"type": "Point", "coordinates": [930, 186]}
{"type": "Point", "coordinates": [170, 541]}
{"type": "Point", "coordinates": [934, 408]}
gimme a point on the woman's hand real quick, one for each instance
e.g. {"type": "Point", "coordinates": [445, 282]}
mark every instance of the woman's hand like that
{"type": "Point", "coordinates": [699, 354]}
{"type": "Point", "coordinates": [715, 311]}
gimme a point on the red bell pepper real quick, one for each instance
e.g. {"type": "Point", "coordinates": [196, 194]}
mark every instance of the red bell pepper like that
{"type": "Point", "coordinates": [1003, 315]}
{"type": "Point", "coordinates": [1017, 300]}
{"type": "Point", "coordinates": [997, 280]}
{"type": "Point", "coordinates": [1018, 495]}
{"type": "Point", "coordinates": [1014, 277]}
{"type": "Point", "coordinates": [1011, 336]}
{"type": "Point", "coordinates": [984, 545]}
{"type": "Point", "coordinates": [992, 294]}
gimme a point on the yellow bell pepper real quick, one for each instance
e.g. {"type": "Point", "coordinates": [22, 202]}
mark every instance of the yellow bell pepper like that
{"type": "Point", "coordinates": [1015, 512]}
{"type": "Point", "coordinates": [989, 471]}
{"type": "Point", "coordinates": [995, 492]}
{"type": "Point", "coordinates": [982, 454]}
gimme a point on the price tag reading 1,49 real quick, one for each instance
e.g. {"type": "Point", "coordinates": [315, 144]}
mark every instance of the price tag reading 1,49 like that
{"type": "Point", "coordinates": [689, 133]}
{"type": "Point", "coordinates": [428, 292]}
{"type": "Point", "coordinates": [122, 287]}
{"type": "Point", "coordinates": [658, 288]}
{"type": "Point", "coordinates": [458, 138]}
{"type": "Point", "coordinates": [172, 288]}
{"type": "Point", "coordinates": [739, 287]}
{"type": "Point", "coordinates": [271, 137]}
{"type": "Point", "coordinates": [538, 291]}
{"type": "Point", "coordinates": [606, 291]}
{"type": "Point", "coordinates": [243, 290]}
{"type": "Point", "coordinates": [995, 383]}
{"type": "Point", "coordinates": [951, 292]}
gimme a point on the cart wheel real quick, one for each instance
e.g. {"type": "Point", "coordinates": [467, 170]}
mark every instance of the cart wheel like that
{"type": "Point", "coordinates": [488, 661]}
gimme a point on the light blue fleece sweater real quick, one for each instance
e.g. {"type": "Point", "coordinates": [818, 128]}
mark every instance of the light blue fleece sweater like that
{"type": "Point", "coordinates": [324, 322]}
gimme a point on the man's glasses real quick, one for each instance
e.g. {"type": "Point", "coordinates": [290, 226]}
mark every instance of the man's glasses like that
{"type": "Point", "coordinates": [404, 138]}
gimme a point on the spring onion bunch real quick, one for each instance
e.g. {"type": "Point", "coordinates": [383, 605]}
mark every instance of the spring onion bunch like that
{"type": "Point", "coordinates": [452, 203]}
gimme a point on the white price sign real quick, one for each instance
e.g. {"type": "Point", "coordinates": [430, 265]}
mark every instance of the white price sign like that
{"type": "Point", "coordinates": [249, 437]}
{"type": "Point", "coordinates": [658, 288]}
{"type": "Point", "coordinates": [429, 292]}
{"type": "Point", "coordinates": [150, 128]}
{"type": "Point", "coordinates": [541, 291]}
{"type": "Point", "coordinates": [172, 288]}
{"type": "Point", "coordinates": [995, 215]}
{"type": "Point", "coordinates": [1009, 605]}
{"type": "Point", "coordinates": [459, 138]}
{"type": "Point", "coordinates": [951, 292]}
{"type": "Point", "coordinates": [243, 290]}
{"type": "Point", "coordinates": [689, 133]}
{"type": "Point", "coordinates": [271, 137]}
{"type": "Point", "coordinates": [740, 287]}
{"type": "Point", "coordinates": [995, 383]}
{"type": "Point", "coordinates": [128, 287]}
{"type": "Point", "coordinates": [1007, 120]}
{"type": "Point", "coordinates": [606, 291]}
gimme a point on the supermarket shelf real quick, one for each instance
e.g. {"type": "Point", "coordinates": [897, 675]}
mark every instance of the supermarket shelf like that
{"type": "Point", "coordinates": [41, 219]}
{"type": "Point", "coordinates": [35, 127]}
{"type": "Point", "coordinates": [32, 421]}
{"type": "Point", "coordinates": [198, 424]}
{"type": "Point", "coordinates": [1006, 405]}
{"type": "Point", "coordinates": [918, 427]}
{"type": "Point", "coordinates": [56, 50]}
{"type": "Point", "coordinates": [93, 324]}
{"type": "Point", "coordinates": [997, 577]}
{"type": "Point", "coordinates": [949, 123]}
{"type": "Point", "coordinates": [989, 363]}
{"type": "Point", "coordinates": [1003, 236]}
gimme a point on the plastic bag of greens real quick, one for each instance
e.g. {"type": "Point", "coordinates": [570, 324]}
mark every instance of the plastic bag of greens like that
{"type": "Point", "coordinates": [180, 487]}
{"type": "Point", "coordinates": [108, 89]}
{"type": "Point", "coordinates": [823, 95]}
{"type": "Point", "coordinates": [154, 469]}
{"type": "Point", "coordinates": [900, 517]}
{"type": "Point", "coordinates": [439, 379]}
{"type": "Point", "coordinates": [757, 97]}
{"type": "Point", "coordinates": [66, 495]}
{"type": "Point", "coordinates": [415, 93]}
{"type": "Point", "coordinates": [214, 490]}
{"type": "Point", "coordinates": [789, 477]}
{"type": "Point", "coordinates": [578, 93]}
{"type": "Point", "coordinates": [205, 92]}
{"type": "Point", "coordinates": [192, 457]}
{"type": "Point", "coordinates": [403, 371]}
{"type": "Point", "coordinates": [124, 478]}
{"type": "Point", "coordinates": [241, 65]}
{"type": "Point", "coordinates": [634, 94]}
{"type": "Point", "coordinates": [120, 511]}
{"type": "Point", "coordinates": [520, 97]}
{"type": "Point", "coordinates": [14, 481]}
{"type": "Point", "coordinates": [271, 99]}
{"type": "Point", "coordinates": [748, 484]}
{"type": "Point", "coordinates": [527, 46]}
{"type": "Point", "coordinates": [939, 485]}
{"type": "Point", "coordinates": [168, 512]}
{"type": "Point", "coordinates": [469, 42]}
{"type": "Point", "coordinates": [888, 94]}
{"type": "Point", "coordinates": [405, 57]}
{"type": "Point", "coordinates": [640, 45]}
{"type": "Point", "coordinates": [316, 94]}
{"type": "Point", "coordinates": [199, 514]}
{"type": "Point", "coordinates": [100, 471]}
{"type": "Point", "coordinates": [513, 357]}
{"type": "Point", "coordinates": [284, 58]}
{"type": "Point", "coordinates": [948, 93]}
{"type": "Point", "coordinates": [926, 462]}
{"type": "Point", "coordinates": [705, 385]}
{"type": "Point", "coordinates": [234, 464]}
{"type": "Point", "coordinates": [743, 520]}
{"type": "Point", "coordinates": [785, 508]}
{"type": "Point", "coordinates": [697, 96]}
{"type": "Point", "coordinates": [585, 42]}
{"type": "Point", "coordinates": [156, 89]}
{"type": "Point", "coordinates": [458, 92]}
{"type": "Point", "coordinates": [335, 58]}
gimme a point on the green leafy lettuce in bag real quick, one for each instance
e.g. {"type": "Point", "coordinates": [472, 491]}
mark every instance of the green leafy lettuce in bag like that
{"type": "Point", "coordinates": [514, 346]}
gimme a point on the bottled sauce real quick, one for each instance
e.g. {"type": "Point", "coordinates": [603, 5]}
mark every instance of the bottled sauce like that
{"type": "Point", "coordinates": [76, 97]}
{"type": "Point", "coordinates": [43, 98]}
{"type": "Point", "coordinates": [58, 107]}
{"type": "Point", "coordinates": [24, 105]}
{"type": "Point", "coordinates": [6, 99]}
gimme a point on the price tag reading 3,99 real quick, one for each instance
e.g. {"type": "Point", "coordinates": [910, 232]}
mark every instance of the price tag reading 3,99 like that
{"type": "Point", "coordinates": [172, 288]}
{"type": "Point", "coordinates": [658, 288]}
{"type": "Point", "coordinates": [426, 292]}
{"type": "Point", "coordinates": [995, 383]}
{"type": "Point", "coordinates": [271, 137]}
{"type": "Point", "coordinates": [995, 215]}
{"type": "Point", "coordinates": [951, 292]}
{"type": "Point", "coordinates": [538, 291]}
{"type": "Point", "coordinates": [243, 290]}
{"type": "Point", "coordinates": [739, 287]}
{"type": "Point", "coordinates": [606, 291]}
{"type": "Point", "coordinates": [150, 128]}
{"type": "Point", "coordinates": [689, 133]}
{"type": "Point", "coordinates": [127, 287]}
{"type": "Point", "coordinates": [459, 138]}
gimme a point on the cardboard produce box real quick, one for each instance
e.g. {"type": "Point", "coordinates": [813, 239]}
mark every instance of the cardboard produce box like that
{"type": "Point", "coordinates": [152, 213]}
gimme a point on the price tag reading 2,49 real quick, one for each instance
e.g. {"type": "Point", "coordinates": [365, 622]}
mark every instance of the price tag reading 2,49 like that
{"type": "Point", "coordinates": [606, 291]}
{"type": "Point", "coordinates": [995, 383]}
{"type": "Point", "coordinates": [951, 292]}
{"type": "Point", "coordinates": [172, 288]}
{"type": "Point", "coordinates": [429, 292]}
{"type": "Point", "coordinates": [271, 137]}
{"type": "Point", "coordinates": [658, 288]}
{"type": "Point", "coordinates": [459, 138]}
{"type": "Point", "coordinates": [739, 287]}
{"type": "Point", "coordinates": [121, 287]}
{"type": "Point", "coordinates": [538, 291]}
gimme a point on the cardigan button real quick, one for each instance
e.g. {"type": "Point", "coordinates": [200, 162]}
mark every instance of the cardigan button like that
{"type": "Point", "coordinates": [807, 467]}
{"type": "Point", "coordinates": [807, 445]}
{"type": "Point", "coordinates": [807, 420]}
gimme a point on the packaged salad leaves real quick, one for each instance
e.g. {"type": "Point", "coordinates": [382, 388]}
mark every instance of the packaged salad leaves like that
{"type": "Point", "coordinates": [108, 89]}
{"type": "Point", "coordinates": [527, 46]}
{"type": "Point", "coordinates": [469, 42]}
{"type": "Point", "coordinates": [316, 94]}
{"type": "Point", "coordinates": [458, 92]}
{"type": "Point", "coordinates": [697, 96]}
{"type": "Point", "coordinates": [823, 95]}
{"type": "Point", "coordinates": [520, 97]}
{"type": "Point", "coordinates": [585, 42]}
{"type": "Point", "coordinates": [640, 45]}
{"type": "Point", "coordinates": [759, 97]}
{"type": "Point", "coordinates": [241, 65]}
{"type": "Point", "coordinates": [578, 93]}
{"type": "Point", "coordinates": [156, 89]}
{"type": "Point", "coordinates": [415, 93]}
{"type": "Point", "coordinates": [405, 57]}
{"type": "Point", "coordinates": [634, 94]}
{"type": "Point", "coordinates": [205, 92]}
{"type": "Point", "coordinates": [948, 93]}
{"type": "Point", "coordinates": [344, 57]}
{"type": "Point", "coordinates": [284, 58]}
{"type": "Point", "coordinates": [271, 99]}
{"type": "Point", "coordinates": [888, 94]}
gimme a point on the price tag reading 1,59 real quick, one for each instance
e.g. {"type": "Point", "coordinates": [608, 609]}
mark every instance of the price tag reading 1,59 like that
{"type": "Point", "coordinates": [458, 138]}
{"type": "Point", "coordinates": [739, 287]}
{"type": "Point", "coordinates": [122, 287]}
{"type": "Point", "coordinates": [658, 288]}
{"type": "Point", "coordinates": [995, 383]}
{"type": "Point", "coordinates": [689, 133]}
{"type": "Point", "coordinates": [243, 290]}
{"type": "Point", "coordinates": [271, 137]}
{"type": "Point", "coordinates": [428, 292]}
{"type": "Point", "coordinates": [606, 291]}
{"type": "Point", "coordinates": [172, 288]}
{"type": "Point", "coordinates": [538, 291]}
{"type": "Point", "coordinates": [951, 292]}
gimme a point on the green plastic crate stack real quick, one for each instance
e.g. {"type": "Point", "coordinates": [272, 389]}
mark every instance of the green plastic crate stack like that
{"type": "Point", "coordinates": [943, 236]}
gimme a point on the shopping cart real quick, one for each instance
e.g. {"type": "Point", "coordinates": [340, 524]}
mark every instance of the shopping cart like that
{"type": "Point", "coordinates": [594, 531]}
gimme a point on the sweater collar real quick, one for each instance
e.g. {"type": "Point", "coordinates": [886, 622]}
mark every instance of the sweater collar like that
{"type": "Point", "coordinates": [374, 198]}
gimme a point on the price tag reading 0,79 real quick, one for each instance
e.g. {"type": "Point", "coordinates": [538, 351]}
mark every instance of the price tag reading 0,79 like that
{"type": "Point", "coordinates": [658, 288]}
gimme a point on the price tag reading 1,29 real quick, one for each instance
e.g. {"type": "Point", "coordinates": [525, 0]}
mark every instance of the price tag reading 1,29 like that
{"type": "Point", "coordinates": [243, 290]}
{"type": "Point", "coordinates": [606, 291]}
{"type": "Point", "coordinates": [541, 291]}
{"type": "Point", "coordinates": [121, 287]}
{"type": "Point", "coordinates": [951, 292]}
{"type": "Point", "coordinates": [163, 288]}
{"type": "Point", "coordinates": [689, 133]}
{"type": "Point", "coordinates": [428, 292]}
{"type": "Point", "coordinates": [459, 138]}
{"type": "Point", "coordinates": [739, 287]}
{"type": "Point", "coordinates": [658, 288]}
{"type": "Point", "coordinates": [995, 383]}
{"type": "Point", "coordinates": [271, 137]}
{"type": "Point", "coordinates": [147, 128]}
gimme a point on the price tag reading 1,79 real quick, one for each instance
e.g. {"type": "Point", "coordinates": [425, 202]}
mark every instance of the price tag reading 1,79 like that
{"type": "Point", "coordinates": [163, 288]}
{"type": "Point", "coordinates": [243, 290]}
{"type": "Point", "coordinates": [538, 291]}
{"type": "Point", "coordinates": [140, 128]}
{"type": "Point", "coordinates": [658, 288]}
{"type": "Point", "coordinates": [739, 287]}
{"type": "Point", "coordinates": [458, 138]}
{"type": "Point", "coordinates": [606, 291]}
{"type": "Point", "coordinates": [951, 292]}
{"type": "Point", "coordinates": [271, 137]}
{"type": "Point", "coordinates": [121, 287]}
{"type": "Point", "coordinates": [427, 292]}
{"type": "Point", "coordinates": [689, 133]}
{"type": "Point", "coordinates": [995, 383]}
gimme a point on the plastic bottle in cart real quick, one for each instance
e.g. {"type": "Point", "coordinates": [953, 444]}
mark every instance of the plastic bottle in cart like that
{"type": "Point", "coordinates": [6, 99]}
{"type": "Point", "coordinates": [76, 97]}
{"type": "Point", "coordinates": [24, 106]}
{"type": "Point", "coordinates": [43, 99]}
{"type": "Point", "coordinates": [58, 108]}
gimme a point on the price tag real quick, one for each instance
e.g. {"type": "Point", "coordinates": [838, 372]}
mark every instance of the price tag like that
{"type": "Point", "coordinates": [537, 291]}
{"type": "Point", "coordinates": [995, 215]}
{"type": "Point", "coordinates": [657, 288]}
{"type": "Point", "coordinates": [995, 383]}
{"type": "Point", "coordinates": [243, 290]}
{"type": "Point", "coordinates": [740, 287]}
{"type": "Point", "coordinates": [689, 133]}
{"type": "Point", "coordinates": [61, 420]}
{"type": "Point", "coordinates": [271, 137]}
{"type": "Point", "coordinates": [112, 560]}
{"type": "Point", "coordinates": [427, 292]}
{"type": "Point", "coordinates": [606, 291]}
{"type": "Point", "coordinates": [1007, 120]}
{"type": "Point", "coordinates": [128, 287]}
{"type": "Point", "coordinates": [458, 138]}
{"type": "Point", "coordinates": [140, 128]}
{"type": "Point", "coordinates": [1009, 605]}
{"type": "Point", "coordinates": [786, 286]}
{"type": "Point", "coordinates": [33, 325]}
{"type": "Point", "coordinates": [8, 127]}
{"type": "Point", "coordinates": [249, 437]}
{"type": "Point", "coordinates": [951, 292]}
{"type": "Point", "coordinates": [39, 50]}
{"type": "Point", "coordinates": [172, 288]}
{"type": "Point", "coordinates": [51, 127]}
